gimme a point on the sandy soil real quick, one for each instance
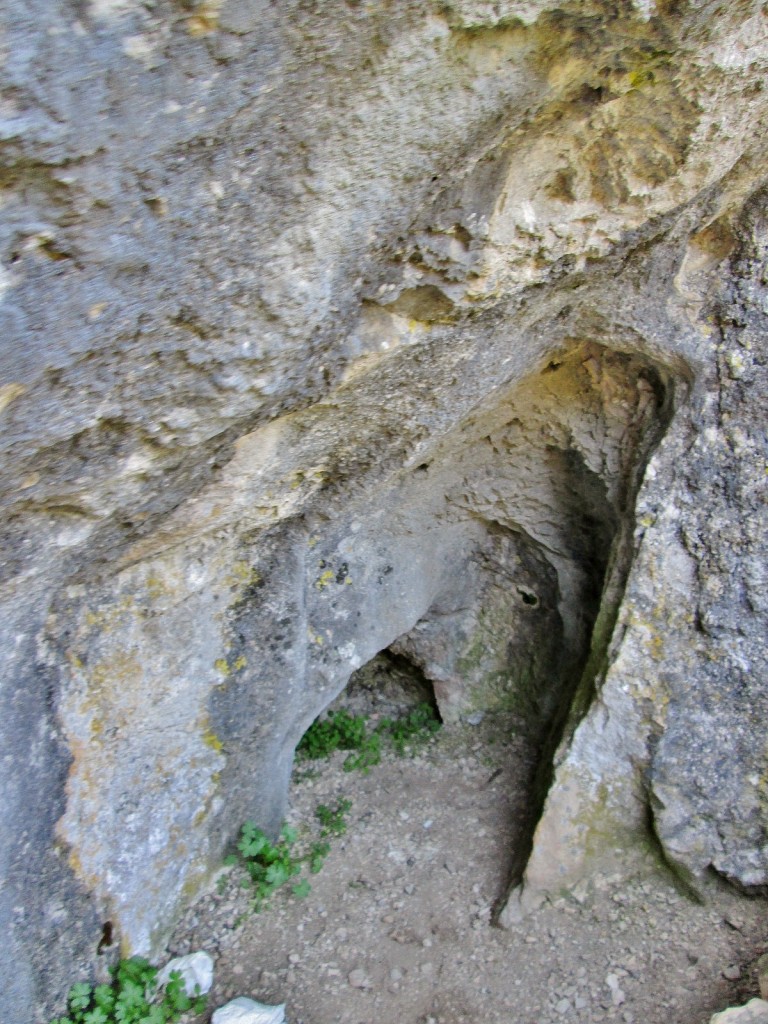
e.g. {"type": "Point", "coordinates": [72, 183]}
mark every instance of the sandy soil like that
{"type": "Point", "coordinates": [397, 928]}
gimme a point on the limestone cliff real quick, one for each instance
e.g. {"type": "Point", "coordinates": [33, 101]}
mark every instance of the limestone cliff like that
{"type": "Point", "coordinates": [332, 327]}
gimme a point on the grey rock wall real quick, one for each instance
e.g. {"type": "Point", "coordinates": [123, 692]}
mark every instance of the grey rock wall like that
{"type": "Point", "coordinates": [332, 327]}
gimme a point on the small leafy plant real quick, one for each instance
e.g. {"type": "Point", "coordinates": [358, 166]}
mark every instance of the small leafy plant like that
{"type": "Point", "coordinates": [269, 864]}
{"type": "Point", "coordinates": [132, 998]}
{"type": "Point", "coordinates": [302, 889]}
{"type": "Point", "coordinates": [365, 756]}
{"type": "Point", "coordinates": [339, 731]}
{"type": "Point", "coordinates": [317, 854]}
{"type": "Point", "coordinates": [333, 819]}
{"type": "Point", "coordinates": [417, 726]}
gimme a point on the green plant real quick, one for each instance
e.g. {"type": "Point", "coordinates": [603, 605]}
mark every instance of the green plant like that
{"type": "Point", "coordinates": [342, 731]}
{"type": "Point", "coordinates": [268, 864]}
{"type": "Point", "coordinates": [132, 998]}
{"type": "Point", "coordinates": [365, 756]}
{"type": "Point", "coordinates": [332, 819]}
{"type": "Point", "coordinates": [317, 854]}
{"type": "Point", "coordinates": [302, 889]}
{"type": "Point", "coordinates": [338, 731]}
{"type": "Point", "coordinates": [417, 726]}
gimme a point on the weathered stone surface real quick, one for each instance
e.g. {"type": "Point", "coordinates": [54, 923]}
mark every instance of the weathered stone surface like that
{"type": "Point", "coordinates": [328, 327]}
{"type": "Point", "coordinates": [247, 1011]}
{"type": "Point", "coordinates": [762, 975]}
{"type": "Point", "coordinates": [753, 1012]}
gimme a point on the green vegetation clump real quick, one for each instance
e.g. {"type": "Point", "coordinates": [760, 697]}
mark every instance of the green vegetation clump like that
{"type": "Point", "coordinates": [317, 854]}
{"type": "Point", "coordinates": [417, 726]}
{"type": "Point", "coordinates": [132, 998]}
{"type": "Point", "coordinates": [365, 756]}
{"type": "Point", "coordinates": [269, 865]}
{"type": "Point", "coordinates": [342, 731]}
{"type": "Point", "coordinates": [333, 819]}
{"type": "Point", "coordinates": [339, 731]}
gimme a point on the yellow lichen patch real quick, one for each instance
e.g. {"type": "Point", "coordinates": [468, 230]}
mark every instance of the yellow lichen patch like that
{"type": "Point", "coordinates": [193, 883]}
{"type": "Point", "coordinates": [157, 588]}
{"type": "Point", "coordinates": [656, 646]}
{"type": "Point", "coordinates": [242, 576]}
{"type": "Point", "coordinates": [108, 682]}
{"type": "Point", "coordinates": [322, 581]}
{"type": "Point", "coordinates": [79, 787]}
{"type": "Point", "coordinates": [210, 739]}
{"type": "Point", "coordinates": [113, 673]}
{"type": "Point", "coordinates": [110, 616]}
{"type": "Point", "coordinates": [223, 666]}
{"type": "Point", "coordinates": [241, 572]}
{"type": "Point", "coordinates": [205, 19]}
{"type": "Point", "coordinates": [9, 393]}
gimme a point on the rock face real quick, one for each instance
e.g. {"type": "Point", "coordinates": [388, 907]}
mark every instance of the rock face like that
{"type": "Point", "coordinates": [330, 328]}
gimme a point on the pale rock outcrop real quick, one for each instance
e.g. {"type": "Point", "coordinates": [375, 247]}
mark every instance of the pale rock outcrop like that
{"type": "Point", "coordinates": [753, 1012]}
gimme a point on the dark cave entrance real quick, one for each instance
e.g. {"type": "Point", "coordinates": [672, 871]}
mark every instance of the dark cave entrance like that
{"type": "Point", "coordinates": [512, 642]}
{"type": "Point", "coordinates": [388, 686]}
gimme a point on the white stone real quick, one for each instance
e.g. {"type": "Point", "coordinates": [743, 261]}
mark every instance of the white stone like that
{"type": "Point", "coordinates": [247, 1011]}
{"type": "Point", "coordinates": [753, 1012]}
{"type": "Point", "coordinates": [196, 970]}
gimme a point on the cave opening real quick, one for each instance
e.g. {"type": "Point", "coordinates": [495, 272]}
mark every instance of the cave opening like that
{"type": "Point", "coordinates": [524, 530]}
{"type": "Point", "coordinates": [389, 685]}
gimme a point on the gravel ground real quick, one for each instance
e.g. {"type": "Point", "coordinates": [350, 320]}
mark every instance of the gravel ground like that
{"type": "Point", "coordinates": [397, 928]}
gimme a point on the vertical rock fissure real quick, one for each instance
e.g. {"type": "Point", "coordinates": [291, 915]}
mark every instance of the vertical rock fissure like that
{"type": "Point", "coordinates": [582, 686]}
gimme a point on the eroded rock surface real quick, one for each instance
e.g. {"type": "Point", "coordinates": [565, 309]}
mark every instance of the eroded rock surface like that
{"type": "Point", "coordinates": [332, 327]}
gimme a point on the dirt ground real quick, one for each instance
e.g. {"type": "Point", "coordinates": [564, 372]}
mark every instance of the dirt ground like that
{"type": "Point", "coordinates": [397, 927]}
